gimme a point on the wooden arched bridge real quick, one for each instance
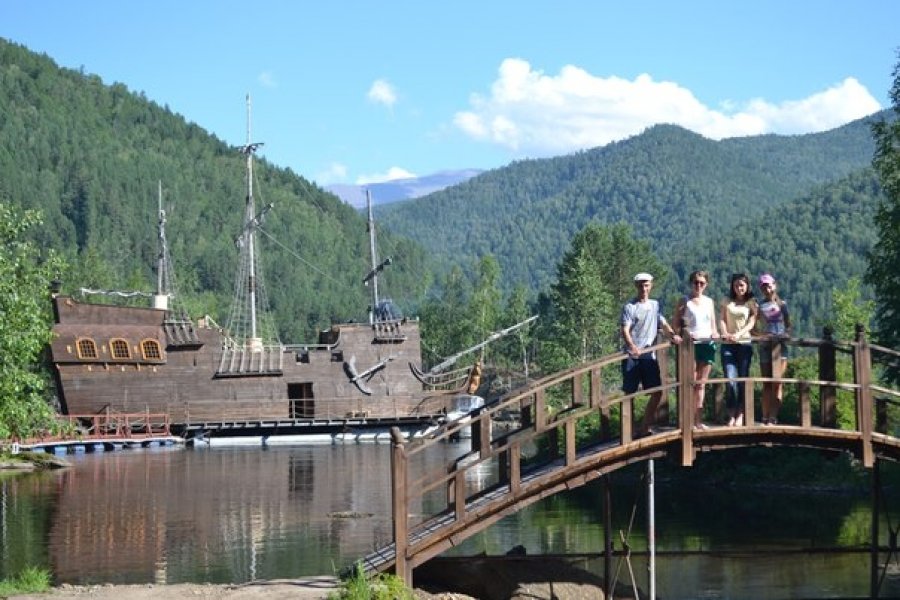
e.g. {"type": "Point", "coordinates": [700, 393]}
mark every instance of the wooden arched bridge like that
{"type": "Point", "coordinates": [590, 433]}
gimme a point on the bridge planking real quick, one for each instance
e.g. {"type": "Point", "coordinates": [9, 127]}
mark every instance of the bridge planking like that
{"type": "Point", "coordinates": [466, 505]}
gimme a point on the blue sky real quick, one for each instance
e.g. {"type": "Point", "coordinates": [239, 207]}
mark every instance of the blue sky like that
{"type": "Point", "coordinates": [355, 92]}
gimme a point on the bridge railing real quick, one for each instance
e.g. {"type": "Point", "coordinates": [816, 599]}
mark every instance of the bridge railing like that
{"type": "Point", "coordinates": [589, 411]}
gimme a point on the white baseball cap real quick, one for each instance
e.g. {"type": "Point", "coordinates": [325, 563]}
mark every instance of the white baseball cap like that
{"type": "Point", "coordinates": [643, 277]}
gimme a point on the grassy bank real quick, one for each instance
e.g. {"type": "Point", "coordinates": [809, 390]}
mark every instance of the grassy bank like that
{"type": "Point", "coordinates": [31, 580]}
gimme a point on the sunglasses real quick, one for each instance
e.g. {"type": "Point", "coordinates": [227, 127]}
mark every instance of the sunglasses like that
{"type": "Point", "coordinates": [698, 282]}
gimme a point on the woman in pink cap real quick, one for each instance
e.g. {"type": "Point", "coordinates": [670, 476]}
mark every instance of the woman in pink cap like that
{"type": "Point", "coordinates": [773, 354]}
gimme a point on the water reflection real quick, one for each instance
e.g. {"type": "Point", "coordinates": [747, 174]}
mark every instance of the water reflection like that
{"type": "Point", "coordinates": [208, 515]}
{"type": "Point", "coordinates": [234, 515]}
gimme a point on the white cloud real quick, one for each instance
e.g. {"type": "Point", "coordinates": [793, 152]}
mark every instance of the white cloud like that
{"type": "Point", "coordinates": [334, 173]}
{"type": "Point", "coordinates": [392, 174]}
{"type": "Point", "coordinates": [267, 79]}
{"type": "Point", "coordinates": [534, 114]}
{"type": "Point", "coordinates": [382, 92]}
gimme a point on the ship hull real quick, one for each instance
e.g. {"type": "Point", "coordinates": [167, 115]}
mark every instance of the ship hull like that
{"type": "Point", "coordinates": [131, 360]}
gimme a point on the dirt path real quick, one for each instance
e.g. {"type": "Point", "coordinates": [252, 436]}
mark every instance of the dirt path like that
{"type": "Point", "coordinates": [313, 588]}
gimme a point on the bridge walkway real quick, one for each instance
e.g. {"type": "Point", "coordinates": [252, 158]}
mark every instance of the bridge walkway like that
{"type": "Point", "coordinates": [575, 426]}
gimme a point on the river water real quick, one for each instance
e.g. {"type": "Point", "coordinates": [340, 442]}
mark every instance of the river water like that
{"type": "Point", "coordinates": [172, 515]}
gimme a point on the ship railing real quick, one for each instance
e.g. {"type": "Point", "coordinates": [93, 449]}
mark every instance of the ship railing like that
{"type": "Point", "coordinates": [302, 347]}
{"type": "Point", "coordinates": [237, 361]}
{"type": "Point", "coordinates": [105, 426]}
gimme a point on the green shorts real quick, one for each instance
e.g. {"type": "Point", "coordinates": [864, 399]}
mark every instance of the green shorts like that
{"type": "Point", "coordinates": [705, 352]}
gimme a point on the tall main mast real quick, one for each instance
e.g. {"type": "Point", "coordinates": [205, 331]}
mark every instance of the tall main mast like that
{"type": "Point", "coordinates": [249, 326]}
{"type": "Point", "coordinates": [249, 231]}
{"type": "Point", "coordinates": [372, 276]}
{"type": "Point", "coordinates": [163, 267]}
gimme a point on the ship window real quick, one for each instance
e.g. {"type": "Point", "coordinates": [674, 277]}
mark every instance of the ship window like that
{"type": "Point", "coordinates": [337, 356]}
{"type": "Point", "coordinates": [86, 348]}
{"type": "Point", "coordinates": [150, 350]}
{"type": "Point", "coordinates": [119, 349]}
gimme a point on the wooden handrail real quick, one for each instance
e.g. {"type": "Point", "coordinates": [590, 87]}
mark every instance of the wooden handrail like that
{"type": "Point", "coordinates": [580, 388]}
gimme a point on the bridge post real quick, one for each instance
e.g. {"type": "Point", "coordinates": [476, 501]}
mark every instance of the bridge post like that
{"type": "Point", "coordinates": [598, 402]}
{"type": "Point", "coordinates": [686, 407]}
{"type": "Point", "coordinates": [540, 410]}
{"type": "Point", "coordinates": [827, 372]}
{"type": "Point", "coordinates": [399, 506]}
{"type": "Point", "coordinates": [577, 390]}
{"type": "Point", "coordinates": [862, 367]}
{"type": "Point", "coordinates": [662, 410]}
{"type": "Point", "coordinates": [805, 413]}
{"type": "Point", "coordinates": [749, 408]}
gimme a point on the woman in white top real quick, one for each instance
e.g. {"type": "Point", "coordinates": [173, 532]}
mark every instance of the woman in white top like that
{"type": "Point", "coordinates": [697, 312]}
{"type": "Point", "coordinates": [737, 318]}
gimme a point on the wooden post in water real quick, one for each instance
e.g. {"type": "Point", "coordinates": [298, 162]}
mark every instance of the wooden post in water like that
{"type": "Point", "coordinates": [873, 548]}
{"type": "Point", "coordinates": [651, 527]}
{"type": "Point", "coordinates": [863, 370]}
{"type": "Point", "coordinates": [686, 408]}
{"type": "Point", "coordinates": [399, 506]}
{"type": "Point", "coordinates": [607, 535]}
{"type": "Point", "coordinates": [827, 372]}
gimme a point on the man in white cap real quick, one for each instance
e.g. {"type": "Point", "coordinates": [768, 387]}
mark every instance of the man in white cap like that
{"type": "Point", "coordinates": [641, 320]}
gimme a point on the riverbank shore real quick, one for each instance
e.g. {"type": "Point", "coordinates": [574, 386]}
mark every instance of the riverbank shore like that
{"type": "Point", "coordinates": [310, 588]}
{"type": "Point", "coordinates": [479, 577]}
{"type": "Point", "coordinates": [24, 462]}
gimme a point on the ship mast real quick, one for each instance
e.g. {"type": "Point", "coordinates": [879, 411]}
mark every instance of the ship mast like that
{"type": "Point", "coordinates": [376, 268]}
{"type": "Point", "coordinates": [249, 215]}
{"type": "Point", "coordinates": [164, 283]}
{"type": "Point", "coordinates": [249, 325]}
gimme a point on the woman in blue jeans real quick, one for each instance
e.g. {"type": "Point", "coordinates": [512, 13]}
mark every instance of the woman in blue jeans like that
{"type": "Point", "coordinates": [737, 318]}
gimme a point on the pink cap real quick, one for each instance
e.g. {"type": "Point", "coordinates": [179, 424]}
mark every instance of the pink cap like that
{"type": "Point", "coordinates": [766, 278]}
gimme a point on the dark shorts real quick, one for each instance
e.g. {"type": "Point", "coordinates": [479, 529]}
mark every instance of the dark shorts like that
{"type": "Point", "coordinates": [705, 352]}
{"type": "Point", "coordinates": [642, 371]}
{"type": "Point", "coordinates": [765, 351]}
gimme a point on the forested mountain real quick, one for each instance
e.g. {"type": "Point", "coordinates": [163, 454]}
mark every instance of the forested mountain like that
{"type": "Point", "coordinates": [89, 156]}
{"type": "Point", "coordinates": [670, 185]}
{"type": "Point", "coordinates": [812, 245]}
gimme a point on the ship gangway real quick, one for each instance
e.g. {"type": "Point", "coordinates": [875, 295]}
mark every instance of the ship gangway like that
{"type": "Point", "coordinates": [103, 431]}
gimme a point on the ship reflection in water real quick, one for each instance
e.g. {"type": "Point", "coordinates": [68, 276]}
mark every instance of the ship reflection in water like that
{"type": "Point", "coordinates": [216, 515]}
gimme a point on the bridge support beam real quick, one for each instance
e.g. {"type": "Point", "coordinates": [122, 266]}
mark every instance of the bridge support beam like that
{"type": "Point", "coordinates": [399, 506]}
{"type": "Point", "coordinates": [863, 368]}
{"type": "Point", "coordinates": [874, 555]}
{"type": "Point", "coordinates": [607, 535]}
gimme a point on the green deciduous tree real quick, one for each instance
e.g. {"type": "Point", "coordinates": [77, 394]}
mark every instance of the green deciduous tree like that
{"type": "Point", "coordinates": [885, 256]}
{"type": "Point", "coordinates": [849, 310]}
{"type": "Point", "coordinates": [24, 325]}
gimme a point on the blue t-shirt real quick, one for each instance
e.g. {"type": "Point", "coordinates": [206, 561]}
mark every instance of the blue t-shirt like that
{"type": "Point", "coordinates": [644, 320]}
